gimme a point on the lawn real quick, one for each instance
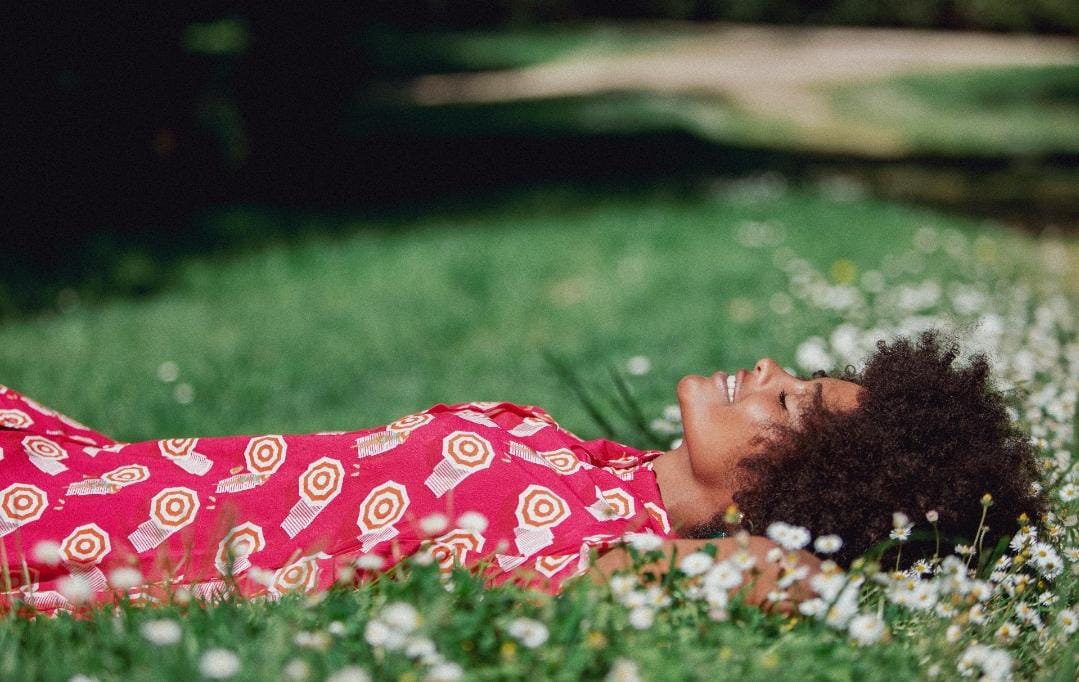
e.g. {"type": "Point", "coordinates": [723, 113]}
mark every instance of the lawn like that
{"type": "Point", "coordinates": [363, 319]}
{"type": "Point", "coordinates": [976, 112]}
{"type": "Point", "coordinates": [1022, 111]}
{"type": "Point", "coordinates": [368, 319]}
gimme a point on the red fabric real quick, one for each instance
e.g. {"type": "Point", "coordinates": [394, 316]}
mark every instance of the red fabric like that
{"type": "Point", "coordinates": [282, 513]}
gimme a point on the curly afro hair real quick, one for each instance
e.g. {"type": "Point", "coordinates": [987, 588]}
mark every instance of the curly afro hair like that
{"type": "Point", "coordinates": [928, 434]}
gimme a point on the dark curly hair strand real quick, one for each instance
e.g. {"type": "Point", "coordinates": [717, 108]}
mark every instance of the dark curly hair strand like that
{"type": "Point", "coordinates": [928, 434]}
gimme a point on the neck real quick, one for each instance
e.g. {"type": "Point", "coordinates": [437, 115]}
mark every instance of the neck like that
{"type": "Point", "coordinates": [687, 501]}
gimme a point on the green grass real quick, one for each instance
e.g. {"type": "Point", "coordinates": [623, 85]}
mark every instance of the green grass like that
{"type": "Point", "coordinates": [1031, 110]}
{"type": "Point", "coordinates": [1007, 112]}
{"type": "Point", "coordinates": [1016, 111]}
{"type": "Point", "coordinates": [469, 626]}
{"type": "Point", "coordinates": [356, 325]}
{"type": "Point", "coordinates": [363, 320]}
{"type": "Point", "coordinates": [402, 52]}
{"type": "Point", "coordinates": [712, 118]}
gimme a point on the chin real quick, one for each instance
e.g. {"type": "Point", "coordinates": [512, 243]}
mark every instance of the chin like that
{"type": "Point", "coordinates": [688, 385]}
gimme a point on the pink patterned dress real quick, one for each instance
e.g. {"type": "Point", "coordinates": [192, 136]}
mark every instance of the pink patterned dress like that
{"type": "Point", "coordinates": [494, 484]}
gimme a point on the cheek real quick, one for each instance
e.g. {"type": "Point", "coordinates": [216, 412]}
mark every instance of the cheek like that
{"type": "Point", "coordinates": [710, 429]}
{"type": "Point", "coordinates": [718, 437]}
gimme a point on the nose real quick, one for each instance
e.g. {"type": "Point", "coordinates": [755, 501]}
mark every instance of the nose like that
{"type": "Point", "coordinates": [768, 372]}
{"type": "Point", "coordinates": [766, 368]}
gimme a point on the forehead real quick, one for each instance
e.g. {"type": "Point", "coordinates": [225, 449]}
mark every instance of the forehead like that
{"type": "Point", "coordinates": [839, 395]}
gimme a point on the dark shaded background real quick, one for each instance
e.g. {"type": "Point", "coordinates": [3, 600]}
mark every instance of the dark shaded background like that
{"type": "Point", "coordinates": [127, 122]}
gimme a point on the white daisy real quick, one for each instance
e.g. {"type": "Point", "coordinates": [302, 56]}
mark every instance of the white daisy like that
{"type": "Point", "coordinates": [75, 589]}
{"type": "Point", "coordinates": [433, 524]}
{"type": "Point", "coordinates": [977, 614]}
{"type": "Point", "coordinates": [531, 633]}
{"type": "Point", "coordinates": [446, 671]}
{"type": "Point", "coordinates": [423, 650]}
{"type": "Point", "coordinates": [953, 634]}
{"type": "Point", "coordinates": [401, 616]}
{"type": "Point", "coordinates": [641, 617]}
{"type": "Point", "coordinates": [638, 365]}
{"type": "Point", "coordinates": [866, 629]}
{"type": "Point", "coordinates": [743, 560]}
{"type": "Point", "coordinates": [900, 533]}
{"type": "Point", "coordinates": [622, 585]}
{"type": "Point", "coordinates": [378, 633]}
{"type": "Point", "coordinates": [787, 536]}
{"type": "Point", "coordinates": [370, 562]}
{"type": "Point", "coordinates": [644, 542]}
{"type": "Point", "coordinates": [125, 577]}
{"type": "Point", "coordinates": [1007, 632]}
{"type": "Point", "coordinates": [47, 552]}
{"type": "Point", "coordinates": [350, 673]}
{"type": "Point", "coordinates": [695, 564]}
{"type": "Point", "coordinates": [1068, 492]}
{"type": "Point", "coordinates": [161, 631]}
{"type": "Point", "coordinates": [623, 670]}
{"type": "Point", "coordinates": [472, 520]}
{"type": "Point", "coordinates": [219, 664]}
{"type": "Point", "coordinates": [296, 669]}
{"type": "Point", "coordinates": [722, 576]}
{"type": "Point", "coordinates": [1068, 620]}
{"type": "Point", "coordinates": [828, 544]}
{"type": "Point", "coordinates": [812, 608]}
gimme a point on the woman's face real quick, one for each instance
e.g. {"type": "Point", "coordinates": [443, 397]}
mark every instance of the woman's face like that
{"type": "Point", "coordinates": [719, 431]}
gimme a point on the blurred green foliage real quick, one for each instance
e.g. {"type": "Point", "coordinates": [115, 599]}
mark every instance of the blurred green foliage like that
{"type": "Point", "coordinates": [221, 37]}
{"type": "Point", "coordinates": [127, 141]}
{"type": "Point", "coordinates": [1058, 16]}
{"type": "Point", "coordinates": [341, 321]}
{"type": "Point", "coordinates": [393, 51]}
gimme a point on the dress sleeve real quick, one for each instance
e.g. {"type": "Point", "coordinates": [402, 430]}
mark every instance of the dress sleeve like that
{"type": "Point", "coordinates": [607, 453]}
{"type": "Point", "coordinates": [519, 420]}
{"type": "Point", "coordinates": [20, 413]}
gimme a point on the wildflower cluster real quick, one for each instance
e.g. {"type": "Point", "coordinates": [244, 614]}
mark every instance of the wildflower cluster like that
{"type": "Point", "coordinates": [715, 584]}
{"type": "Point", "coordinates": [973, 610]}
{"type": "Point", "coordinates": [1002, 610]}
{"type": "Point", "coordinates": [397, 628]}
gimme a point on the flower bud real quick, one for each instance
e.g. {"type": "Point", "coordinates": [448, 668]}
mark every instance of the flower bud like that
{"type": "Point", "coordinates": [932, 516]}
{"type": "Point", "coordinates": [732, 515]}
{"type": "Point", "coordinates": [987, 500]}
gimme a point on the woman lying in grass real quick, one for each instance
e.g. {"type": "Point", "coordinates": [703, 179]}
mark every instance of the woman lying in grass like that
{"type": "Point", "coordinates": [502, 488]}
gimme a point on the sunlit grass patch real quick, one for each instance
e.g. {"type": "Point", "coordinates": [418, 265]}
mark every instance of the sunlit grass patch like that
{"type": "Point", "coordinates": [351, 327]}
{"type": "Point", "coordinates": [366, 319]}
{"type": "Point", "coordinates": [984, 112]}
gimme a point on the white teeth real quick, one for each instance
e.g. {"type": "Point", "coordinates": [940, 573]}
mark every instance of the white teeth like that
{"type": "Point", "coordinates": [731, 383]}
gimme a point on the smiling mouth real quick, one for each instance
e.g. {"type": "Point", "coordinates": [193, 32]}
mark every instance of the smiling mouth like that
{"type": "Point", "coordinates": [728, 385]}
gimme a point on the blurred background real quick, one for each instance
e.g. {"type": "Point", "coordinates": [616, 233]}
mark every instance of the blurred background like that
{"type": "Point", "coordinates": [402, 193]}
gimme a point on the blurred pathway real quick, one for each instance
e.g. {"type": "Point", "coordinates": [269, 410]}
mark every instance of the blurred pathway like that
{"type": "Point", "coordinates": [778, 73]}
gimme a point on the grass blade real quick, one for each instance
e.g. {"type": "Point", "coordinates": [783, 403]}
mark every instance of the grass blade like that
{"type": "Point", "coordinates": [573, 383]}
{"type": "Point", "coordinates": [631, 409]}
